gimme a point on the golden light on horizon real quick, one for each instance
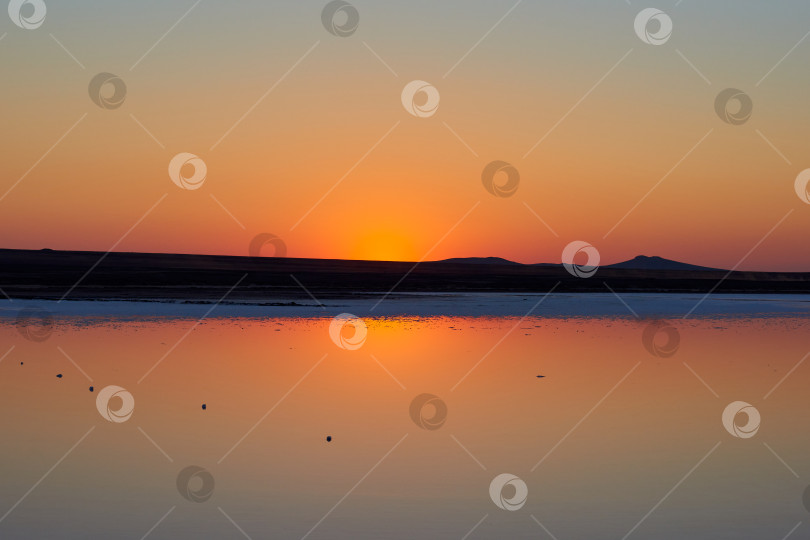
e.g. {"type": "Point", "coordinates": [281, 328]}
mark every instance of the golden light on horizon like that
{"type": "Point", "coordinates": [384, 245]}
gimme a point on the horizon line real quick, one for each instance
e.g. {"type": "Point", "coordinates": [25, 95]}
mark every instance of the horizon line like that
{"type": "Point", "coordinates": [450, 260]}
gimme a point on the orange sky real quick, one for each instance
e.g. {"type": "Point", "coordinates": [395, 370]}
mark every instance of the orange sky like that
{"type": "Point", "coordinates": [524, 82]}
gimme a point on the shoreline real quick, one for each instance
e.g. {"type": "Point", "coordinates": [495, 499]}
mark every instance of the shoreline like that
{"type": "Point", "coordinates": [45, 274]}
{"type": "Point", "coordinates": [149, 284]}
{"type": "Point", "coordinates": [524, 305]}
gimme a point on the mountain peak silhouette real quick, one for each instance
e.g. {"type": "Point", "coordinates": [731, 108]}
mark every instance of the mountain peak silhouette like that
{"type": "Point", "coordinates": [639, 262]}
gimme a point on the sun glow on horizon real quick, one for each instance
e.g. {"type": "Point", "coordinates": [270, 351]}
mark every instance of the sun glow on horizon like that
{"type": "Point", "coordinates": [384, 245]}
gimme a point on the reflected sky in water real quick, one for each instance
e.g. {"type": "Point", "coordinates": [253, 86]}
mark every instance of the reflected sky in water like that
{"type": "Point", "coordinates": [610, 434]}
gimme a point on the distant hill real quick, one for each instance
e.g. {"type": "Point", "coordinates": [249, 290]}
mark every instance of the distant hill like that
{"type": "Point", "coordinates": [481, 260]}
{"type": "Point", "coordinates": [77, 275]}
{"type": "Point", "coordinates": [641, 262]}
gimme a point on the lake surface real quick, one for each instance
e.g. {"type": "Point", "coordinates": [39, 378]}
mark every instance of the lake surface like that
{"type": "Point", "coordinates": [577, 420]}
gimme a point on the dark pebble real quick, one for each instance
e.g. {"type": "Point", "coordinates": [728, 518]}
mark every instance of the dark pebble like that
{"type": "Point", "coordinates": [59, 376]}
{"type": "Point", "coordinates": [541, 376]}
{"type": "Point", "coordinates": [203, 406]}
{"type": "Point", "coordinates": [91, 388]}
{"type": "Point", "coordinates": [328, 438]}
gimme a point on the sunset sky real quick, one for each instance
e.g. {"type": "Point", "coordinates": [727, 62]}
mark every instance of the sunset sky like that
{"type": "Point", "coordinates": [413, 183]}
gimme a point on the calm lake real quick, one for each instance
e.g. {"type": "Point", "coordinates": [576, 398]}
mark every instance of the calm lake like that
{"type": "Point", "coordinates": [572, 421]}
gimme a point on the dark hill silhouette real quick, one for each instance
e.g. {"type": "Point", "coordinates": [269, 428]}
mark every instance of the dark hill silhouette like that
{"type": "Point", "coordinates": [480, 260]}
{"type": "Point", "coordinates": [205, 278]}
{"type": "Point", "coordinates": [641, 262]}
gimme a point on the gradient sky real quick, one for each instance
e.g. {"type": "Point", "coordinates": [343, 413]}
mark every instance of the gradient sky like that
{"type": "Point", "coordinates": [413, 188]}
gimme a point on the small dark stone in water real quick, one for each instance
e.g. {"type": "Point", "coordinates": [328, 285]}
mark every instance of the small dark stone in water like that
{"type": "Point", "coordinates": [21, 363]}
{"type": "Point", "coordinates": [328, 438]}
{"type": "Point", "coordinates": [91, 388]}
{"type": "Point", "coordinates": [541, 376]}
{"type": "Point", "coordinates": [203, 406]}
{"type": "Point", "coordinates": [59, 376]}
